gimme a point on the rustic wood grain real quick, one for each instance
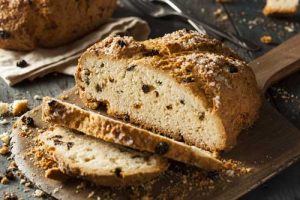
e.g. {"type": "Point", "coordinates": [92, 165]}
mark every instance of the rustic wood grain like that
{"type": "Point", "coordinates": [277, 63]}
{"type": "Point", "coordinates": [286, 185]}
{"type": "Point", "coordinates": [254, 148]}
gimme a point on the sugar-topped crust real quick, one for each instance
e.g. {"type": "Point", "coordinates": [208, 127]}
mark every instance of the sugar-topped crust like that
{"type": "Point", "coordinates": [26, 24]}
{"type": "Point", "coordinates": [201, 65]}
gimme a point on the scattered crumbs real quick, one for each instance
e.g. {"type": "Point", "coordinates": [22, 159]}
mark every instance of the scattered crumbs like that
{"type": "Point", "coordinates": [19, 107]}
{"type": "Point", "coordinates": [12, 165]}
{"type": "Point", "coordinates": [9, 196]}
{"type": "Point", "coordinates": [4, 121]}
{"type": "Point", "coordinates": [38, 193]}
{"type": "Point", "coordinates": [255, 22]}
{"type": "Point", "coordinates": [37, 97]}
{"type": "Point", "coordinates": [4, 108]}
{"type": "Point", "coordinates": [22, 181]}
{"type": "Point", "coordinates": [4, 150]}
{"type": "Point", "coordinates": [91, 195]}
{"type": "Point", "coordinates": [289, 28]}
{"type": "Point", "coordinates": [220, 15]}
{"type": "Point", "coordinates": [5, 138]}
{"type": "Point", "coordinates": [20, 174]}
{"type": "Point", "coordinates": [224, 17]}
{"type": "Point", "coordinates": [64, 97]}
{"type": "Point", "coordinates": [56, 190]}
{"type": "Point", "coordinates": [230, 173]}
{"type": "Point", "coordinates": [266, 39]}
{"type": "Point", "coordinates": [28, 184]}
{"type": "Point", "coordinates": [287, 97]}
{"type": "Point", "coordinates": [26, 190]}
{"type": "Point", "coordinates": [82, 185]}
{"type": "Point", "coordinates": [41, 156]}
{"type": "Point", "coordinates": [218, 12]}
{"type": "Point", "coordinates": [4, 180]}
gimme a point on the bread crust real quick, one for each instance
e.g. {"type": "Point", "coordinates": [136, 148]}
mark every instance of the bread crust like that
{"type": "Point", "coordinates": [27, 24]}
{"type": "Point", "coordinates": [269, 9]}
{"type": "Point", "coordinates": [201, 66]}
{"type": "Point", "coordinates": [103, 177]}
{"type": "Point", "coordinates": [94, 124]}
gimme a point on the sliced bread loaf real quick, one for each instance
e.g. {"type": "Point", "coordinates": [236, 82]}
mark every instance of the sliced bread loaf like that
{"type": "Point", "coordinates": [100, 162]}
{"type": "Point", "coordinates": [111, 130]}
{"type": "Point", "coordinates": [281, 7]}
{"type": "Point", "coordinates": [184, 85]}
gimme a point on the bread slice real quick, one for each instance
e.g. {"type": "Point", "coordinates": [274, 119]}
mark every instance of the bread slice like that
{"type": "Point", "coordinates": [184, 85]}
{"type": "Point", "coordinates": [281, 7]}
{"type": "Point", "coordinates": [94, 124]}
{"type": "Point", "coordinates": [98, 161]}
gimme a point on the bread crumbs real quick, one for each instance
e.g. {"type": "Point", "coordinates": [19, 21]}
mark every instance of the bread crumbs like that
{"type": "Point", "coordinates": [4, 150]}
{"type": "Point", "coordinates": [38, 193]}
{"type": "Point", "coordinates": [266, 39]}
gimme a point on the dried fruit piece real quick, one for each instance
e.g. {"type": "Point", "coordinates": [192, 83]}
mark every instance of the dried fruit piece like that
{"type": "Point", "coordinates": [118, 172]}
{"type": "Point", "coordinates": [161, 148]}
{"type": "Point", "coordinates": [131, 68]}
{"type": "Point", "coordinates": [152, 52]}
{"type": "Point", "coordinates": [122, 44]}
{"type": "Point", "coordinates": [28, 121]}
{"type": "Point", "coordinates": [146, 88]}
{"type": "Point", "coordinates": [232, 69]}
{"type": "Point", "coordinates": [4, 35]}
{"type": "Point", "coordinates": [22, 63]}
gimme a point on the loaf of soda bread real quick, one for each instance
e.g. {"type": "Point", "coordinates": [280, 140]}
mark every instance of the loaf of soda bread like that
{"type": "Point", "coordinates": [26, 24]}
{"type": "Point", "coordinates": [183, 85]}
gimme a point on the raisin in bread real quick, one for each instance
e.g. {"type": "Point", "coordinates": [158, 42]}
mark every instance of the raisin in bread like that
{"type": "Point", "coordinates": [26, 24]}
{"type": "Point", "coordinates": [94, 124]}
{"type": "Point", "coordinates": [281, 7]}
{"type": "Point", "coordinates": [98, 161]}
{"type": "Point", "coordinates": [184, 85]}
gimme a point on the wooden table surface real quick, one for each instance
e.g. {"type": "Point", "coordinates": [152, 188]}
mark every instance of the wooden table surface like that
{"type": "Point", "coordinates": [244, 18]}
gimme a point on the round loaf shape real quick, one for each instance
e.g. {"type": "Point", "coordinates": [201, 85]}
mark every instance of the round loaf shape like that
{"type": "Point", "coordinates": [183, 85]}
{"type": "Point", "coordinates": [27, 24]}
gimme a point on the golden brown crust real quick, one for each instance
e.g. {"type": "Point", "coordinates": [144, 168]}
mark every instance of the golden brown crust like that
{"type": "Point", "coordinates": [200, 65]}
{"type": "Point", "coordinates": [108, 129]}
{"type": "Point", "coordinates": [111, 180]}
{"type": "Point", "coordinates": [26, 24]}
{"type": "Point", "coordinates": [285, 9]}
{"type": "Point", "coordinates": [56, 174]}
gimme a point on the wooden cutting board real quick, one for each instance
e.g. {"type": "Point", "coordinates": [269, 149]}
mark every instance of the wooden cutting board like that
{"type": "Point", "coordinates": [270, 146]}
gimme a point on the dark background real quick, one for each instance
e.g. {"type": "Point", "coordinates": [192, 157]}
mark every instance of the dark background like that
{"type": "Point", "coordinates": [244, 18]}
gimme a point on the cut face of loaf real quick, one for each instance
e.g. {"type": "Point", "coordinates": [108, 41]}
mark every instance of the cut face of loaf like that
{"type": "Point", "coordinates": [100, 162]}
{"type": "Point", "coordinates": [108, 129]}
{"type": "Point", "coordinates": [183, 85]}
